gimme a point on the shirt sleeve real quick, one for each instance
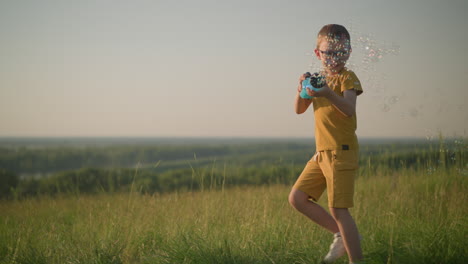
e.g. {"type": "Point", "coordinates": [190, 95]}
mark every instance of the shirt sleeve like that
{"type": "Point", "coordinates": [350, 82]}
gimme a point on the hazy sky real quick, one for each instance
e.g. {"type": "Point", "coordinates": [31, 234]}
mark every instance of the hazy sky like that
{"type": "Point", "coordinates": [224, 68]}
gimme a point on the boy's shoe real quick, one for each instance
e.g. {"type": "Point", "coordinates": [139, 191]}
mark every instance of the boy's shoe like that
{"type": "Point", "coordinates": [337, 249]}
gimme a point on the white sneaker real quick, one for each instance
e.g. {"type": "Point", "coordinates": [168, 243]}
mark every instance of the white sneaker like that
{"type": "Point", "coordinates": [337, 249]}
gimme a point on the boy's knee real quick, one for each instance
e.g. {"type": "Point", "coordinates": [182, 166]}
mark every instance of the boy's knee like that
{"type": "Point", "coordinates": [339, 213]}
{"type": "Point", "coordinates": [297, 198]}
{"type": "Point", "coordinates": [292, 199]}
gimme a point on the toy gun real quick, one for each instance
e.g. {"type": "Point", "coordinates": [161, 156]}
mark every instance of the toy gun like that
{"type": "Point", "coordinates": [314, 82]}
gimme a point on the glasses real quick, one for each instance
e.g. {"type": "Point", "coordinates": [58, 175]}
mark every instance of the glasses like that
{"type": "Point", "coordinates": [338, 53]}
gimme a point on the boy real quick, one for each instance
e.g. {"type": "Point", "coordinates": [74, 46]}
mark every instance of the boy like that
{"type": "Point", "coordinates": [335, 162]}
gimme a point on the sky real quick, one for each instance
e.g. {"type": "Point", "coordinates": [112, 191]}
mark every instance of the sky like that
{"type": "Point", "coordinates": [224, 68]}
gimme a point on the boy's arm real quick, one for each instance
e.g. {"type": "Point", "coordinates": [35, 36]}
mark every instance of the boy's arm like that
{"type": "Point", "coordinates": [345, 104]}
{"type": "Point", "coordinates": [301, 104]}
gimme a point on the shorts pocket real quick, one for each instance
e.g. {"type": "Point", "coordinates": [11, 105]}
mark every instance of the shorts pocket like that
{"type": "Point", "coordinates": [345, 159]}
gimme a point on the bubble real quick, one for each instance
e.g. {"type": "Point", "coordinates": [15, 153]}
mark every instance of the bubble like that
{"type": "Point", "coordinates": [429, 134]}
{"type": "Point", "coordinates": [430, 170]}
{"type": "Point", "coordinates": [385, 108]}
{"type": "Point", "coordinates": [395, 49]}
{"type": "Point", "coordinates": [393, 100]}
{"type": "Point", "coordinates": [315, 66]}
{"type": "Point", "coordinates": [413, 112]}
{"type": "Point", "coordinates": [372, 50]}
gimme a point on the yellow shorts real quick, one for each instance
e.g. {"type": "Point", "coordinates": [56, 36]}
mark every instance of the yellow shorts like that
{"type": "Point", "coordinates": [334, 170]}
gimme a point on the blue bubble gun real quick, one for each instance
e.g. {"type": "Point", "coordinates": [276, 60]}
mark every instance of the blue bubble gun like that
{"type": "Point", "coordinates": [314, 82]}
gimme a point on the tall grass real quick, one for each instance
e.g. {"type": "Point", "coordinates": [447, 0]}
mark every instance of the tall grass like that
{"type": "Point", "coordinates": [408, 216]}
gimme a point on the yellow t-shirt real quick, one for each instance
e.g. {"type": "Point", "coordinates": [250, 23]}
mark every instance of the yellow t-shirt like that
{"type": "Point", "coordinates": [334, 130]}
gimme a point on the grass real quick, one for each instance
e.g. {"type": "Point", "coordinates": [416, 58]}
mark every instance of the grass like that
{"type": "Point", "coordinates": [405, 217]}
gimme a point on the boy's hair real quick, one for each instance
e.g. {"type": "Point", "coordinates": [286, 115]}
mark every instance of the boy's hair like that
{"type": "Point", "coordinates": [332, 32]}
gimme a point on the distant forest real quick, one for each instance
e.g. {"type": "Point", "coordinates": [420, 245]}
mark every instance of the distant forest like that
{"type": "Point", "coordinates": [29, 168]}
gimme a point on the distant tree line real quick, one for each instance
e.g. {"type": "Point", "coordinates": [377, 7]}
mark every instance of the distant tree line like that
{"type": "Point", "coordinates": [81, 171]}
{"type": "Point", "coordinates": [46, 160]}
{"type": "Point", "coordinates": [93, 181]}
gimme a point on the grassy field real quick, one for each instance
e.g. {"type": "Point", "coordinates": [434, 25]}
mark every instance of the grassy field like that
{"type": "Point", "coordinates": [404, 217]}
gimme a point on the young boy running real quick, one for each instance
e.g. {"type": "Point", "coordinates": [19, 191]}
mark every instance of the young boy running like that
{"type": "Point", "coordinates": [335, 163]}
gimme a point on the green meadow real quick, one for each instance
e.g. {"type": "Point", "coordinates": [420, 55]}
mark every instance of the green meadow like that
{"type": "Point", "coordinates": [223, 202]}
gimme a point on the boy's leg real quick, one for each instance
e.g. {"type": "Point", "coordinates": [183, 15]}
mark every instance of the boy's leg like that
{"type": "Point", "coordinates": [349, 233]}
{"type": "Point", "coordinates": [300, 200]}
{"type": "Point", "coordinates": [311, 184]}
{"type": "Point", "coordinates": [340, 168]}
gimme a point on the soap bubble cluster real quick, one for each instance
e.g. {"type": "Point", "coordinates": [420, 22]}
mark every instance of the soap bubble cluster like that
{"type": "Point", "coordinates": [413, 112]}
{"type": "Point", "coordinates": [373, 51]}
{"type": "Point", "coordinates": [367, 53]}
{"type": "Point", "coordinates": [389, 102]}
{"type": "Point", "coordinates": [431, 170]}
{"type": "Point", "coordinates": [385, 108]}
{"type": "Point", "coordinates": [429, 134]}
{"type": "Point", "coordinates": [451, 152]}
{"type": "Point", "coordinates": [393, 100]}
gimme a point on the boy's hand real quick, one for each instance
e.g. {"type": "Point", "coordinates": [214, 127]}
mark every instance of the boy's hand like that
{"type": "Point", "coordinates": [301, 79]}
{"type": "Point", "coordinates": [323, 92]}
